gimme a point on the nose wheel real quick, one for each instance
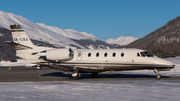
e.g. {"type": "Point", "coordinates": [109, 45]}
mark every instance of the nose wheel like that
{"type": "Point", "coordinates": [158, 76]}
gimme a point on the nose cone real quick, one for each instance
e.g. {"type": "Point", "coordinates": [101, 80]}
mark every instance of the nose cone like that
{"type": "Point", "coordinates": [170, 64]}
{"type": "Point", "coordinates": [164, 63]}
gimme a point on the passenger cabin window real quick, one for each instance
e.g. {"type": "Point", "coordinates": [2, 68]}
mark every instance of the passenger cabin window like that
{"type": "Point", "coordinates": [89, 54]}
{"type": "Point", "coordinates": [105, 54]}
{"type": "Point", "coordinates": [122, 54]}
{"type": "Point", "coordinates": [97, 54]}
{"type": "Point", "coordinates": [138, 54]}
{"type": "Point", "coordinates": [114, 54]}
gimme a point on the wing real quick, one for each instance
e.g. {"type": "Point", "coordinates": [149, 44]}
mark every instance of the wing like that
{"type": "Point", "coordinates": [71, 68]}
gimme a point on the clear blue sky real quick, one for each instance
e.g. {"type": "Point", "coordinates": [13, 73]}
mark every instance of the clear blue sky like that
{"type": "Point", "coordinates": [103, 18]}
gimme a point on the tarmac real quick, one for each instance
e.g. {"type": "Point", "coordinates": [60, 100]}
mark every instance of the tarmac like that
{"type": "Point", "coordinates": [20, 74]}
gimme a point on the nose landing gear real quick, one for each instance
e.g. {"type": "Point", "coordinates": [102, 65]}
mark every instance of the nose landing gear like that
{"type": "Point", "coordinates": [158, 76]}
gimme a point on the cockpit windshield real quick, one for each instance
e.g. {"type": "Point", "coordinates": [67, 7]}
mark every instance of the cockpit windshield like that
{"type": "Point", "coordinates": [143, 54]}
{"type": "Point", "coordinates": [146, 53]}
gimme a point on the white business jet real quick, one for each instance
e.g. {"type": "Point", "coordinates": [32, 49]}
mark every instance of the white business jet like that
{"type": "Point", "coordinates": [85, 60]}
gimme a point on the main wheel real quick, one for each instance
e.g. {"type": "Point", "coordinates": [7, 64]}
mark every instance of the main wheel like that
{"type": "Point", "coordinates": [94, 75]}
{"type": "Point", "coordinates": [77, 76]}
{"type": "Point", "coordinates": [158, 76]}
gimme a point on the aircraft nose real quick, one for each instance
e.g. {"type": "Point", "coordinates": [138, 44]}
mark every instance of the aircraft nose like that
{"type": "Point", "coordinates": [165, 63]}
{"type": "Point", "coordinates": [169, 64]}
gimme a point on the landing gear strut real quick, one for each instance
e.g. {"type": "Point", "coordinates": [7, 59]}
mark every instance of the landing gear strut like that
{"type": "Point", "coordinates": [158, 76]}
{"type": "Point", "coordinates": [94, 75]}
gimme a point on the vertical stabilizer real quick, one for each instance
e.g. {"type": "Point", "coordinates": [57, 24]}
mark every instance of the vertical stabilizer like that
{"type": "Point", "coordinates": [19, 36]}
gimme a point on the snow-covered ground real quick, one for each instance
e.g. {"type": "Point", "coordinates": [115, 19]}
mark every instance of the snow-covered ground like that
{"type": "Point", "coordinates": [152, 90]}
{"type": "Point", "coordinates": [91, 91]}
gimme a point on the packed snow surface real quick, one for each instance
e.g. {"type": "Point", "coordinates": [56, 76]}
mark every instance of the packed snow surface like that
{"type": "Point", "coordinates": [143, 90]}
{"type": "Point", "coordinates": [121, 40]}
{"type": "Point", "coordinates": [91, 91]}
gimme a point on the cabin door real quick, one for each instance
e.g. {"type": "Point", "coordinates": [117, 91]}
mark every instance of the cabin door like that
{"type": "Point", "coordinates": [79, 55]}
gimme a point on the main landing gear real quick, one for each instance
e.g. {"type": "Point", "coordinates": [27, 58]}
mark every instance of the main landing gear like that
{"type": "Point", "coordinates": [158, 76]}
{"type": "Point", "coordinates": [76, 75]}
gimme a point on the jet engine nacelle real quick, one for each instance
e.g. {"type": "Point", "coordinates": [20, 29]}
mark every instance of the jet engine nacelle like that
{"type": "Point", "coordinates": [59, 54]}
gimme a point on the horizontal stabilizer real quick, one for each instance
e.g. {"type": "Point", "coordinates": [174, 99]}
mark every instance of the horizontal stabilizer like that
{"type": "Point", "coordinates": [17, 46]}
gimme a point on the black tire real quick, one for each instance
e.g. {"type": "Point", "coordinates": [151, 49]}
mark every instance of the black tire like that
{"type": "Point", "coordinates": [94, 75]}
{"type": "Point", "coordinates": [158, 76]}
{"type": "Point", "coordinates": [75, 77]}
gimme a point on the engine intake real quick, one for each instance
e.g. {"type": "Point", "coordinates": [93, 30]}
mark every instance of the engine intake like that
{"type": "Point", "coordinates": [59, 54]}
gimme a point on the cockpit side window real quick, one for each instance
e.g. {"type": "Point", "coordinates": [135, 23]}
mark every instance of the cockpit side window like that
{"type": "Point", "coordinates": [142, 54]}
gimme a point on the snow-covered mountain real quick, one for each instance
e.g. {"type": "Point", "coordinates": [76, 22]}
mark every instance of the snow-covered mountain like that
{"type": "Point", "coordinates": [70, 33]}
{"type": "Point", "coordinates": [56, 36]}
{"type": "Point", "coordinates": [121, 40]}
{"type": "Point", "coordinates": [42, 32]}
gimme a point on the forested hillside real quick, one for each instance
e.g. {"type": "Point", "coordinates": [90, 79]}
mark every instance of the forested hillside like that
{"type": "Point", "coordinates": [163, 42]}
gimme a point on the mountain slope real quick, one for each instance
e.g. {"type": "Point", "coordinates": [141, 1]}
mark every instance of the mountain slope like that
{"type": "Point", "coordinates": [43, 32]}
{"type": "Point", "coordinates": [7, 52]}
{"type": "Point", "coordinates": [70, 33]}
{"type": "Point", "coordinates": [163, 42]}
{"type": "Point", "coordinates": [121, 40]}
